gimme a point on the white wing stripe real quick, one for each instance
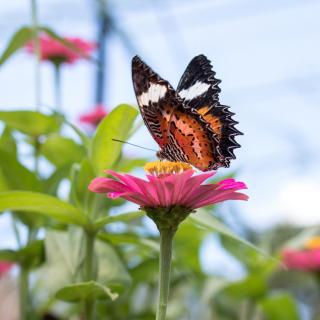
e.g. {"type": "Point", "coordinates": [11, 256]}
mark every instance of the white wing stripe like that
{"type": "Point", "coordinates": [194, 91]}
{"type": "Point", "coordinates": [153, 94]}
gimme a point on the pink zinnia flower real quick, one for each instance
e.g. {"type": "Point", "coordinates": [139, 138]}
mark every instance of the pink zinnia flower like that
{"type": "Point", "coordinates": [5, 268]}
{"type": "Point", "coordinates": [168, 184]}
{"type": "Point", "coordinates": [304, 260]}
{"type": "Point", "coordinates": [168, 195]}
{"type": "Point", "coordinates": [94, 117]}
{"type": "Point", "coordinates": [58, 53]}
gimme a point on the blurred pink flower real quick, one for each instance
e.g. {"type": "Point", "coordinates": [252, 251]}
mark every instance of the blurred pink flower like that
{"type": "Point", "coordinates": [95, 116]}
{"type": "Point", "coordinates": [5, 267]}
{"type": "Point", "coordinates": [167, 185]}
{"type": "Point", "coordinates": [304, 260]}
{"type": "Point", "coordinates": [54, 51]}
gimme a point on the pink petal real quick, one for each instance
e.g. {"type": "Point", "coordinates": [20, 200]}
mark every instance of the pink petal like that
{"type": "Point", "coordinates": [138, 185]}
{"type": "Point", "coordinates": [214, 199]}
{"type": "Point", "coordinates": [210, 195]}
{"type": "Point", "coordinates": [104, 185]}
{"type": "Point", "coordinates": [95, 116]}
{"type": "Point", "coordinates": [131, 196]}
{"type": "Point", "coordinates": [199, 194]}
{"type": "Point", "coordinates": [194, 183]}
{"type": "Point", "coordinates": [158, 188]}
{"type": "Point", "coordinates": [231, 184]}
{"type": "Point", "coordinates": [177, 185]}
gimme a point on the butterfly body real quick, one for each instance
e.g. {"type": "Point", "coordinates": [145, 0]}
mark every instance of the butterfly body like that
{"type": "Point", "coordinates": [189, 124]}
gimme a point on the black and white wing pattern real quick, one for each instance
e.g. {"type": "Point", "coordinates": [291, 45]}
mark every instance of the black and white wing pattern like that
{"type": "Point", "coordinates": [200, 90]}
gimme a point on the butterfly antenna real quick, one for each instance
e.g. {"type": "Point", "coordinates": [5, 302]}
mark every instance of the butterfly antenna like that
{"type": "Point", "coordinates": [132, 144]}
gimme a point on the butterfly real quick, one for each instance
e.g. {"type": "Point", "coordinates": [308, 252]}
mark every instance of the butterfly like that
{"type": "Point", "coordinates": [189, 123]}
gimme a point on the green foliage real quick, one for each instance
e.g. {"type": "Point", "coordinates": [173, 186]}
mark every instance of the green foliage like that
{"type": "Point", "coordinates": [183, 240]}
{"type": "Point", "coordinates": [280, 306]}
{"type": "Point", "coordinates": [124, 217]}
{"type": "Point", "coordinates": [116, 125]}
{"type": "Point", "coordinates": [81, 176]}
{"type": "Point", "coordinates": [62, 151]}
{"type": "Point", "coordinates": [17, 41]}
{"type": "Point", "coordinates": [52, 183]}
{"type": "Point", "coordinates": [65, 256]}
{"type": "Point", "coordinates": [85, 291]}
{"type": "Point", "coordinates": [253, 286]}
{"type": "Point", "coordinates": [209, 222]}
{"type": "Point", "coordinates": [41, 204]}
{"type": "Point", "coordinates": [31, 122]}
{"type": "Point", "coordinates": [17, 176]}
{"type": "Point", "coordinates": [26, 34]}
{"type": "Point", "coordinates": [30, 256]}
{"type": "Point", "coordinates": [7, 142]}
{"type": "Point", "coordinates": [129, 238]}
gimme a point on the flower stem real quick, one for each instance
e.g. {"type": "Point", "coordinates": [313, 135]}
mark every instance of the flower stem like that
{"type": "Point", "coordinates": [166, 239]}
{"type": "Point", "coordinates": [35, 24]}
{"type": "Point", "coordinates": [89, 273]}
{"type": "Point", "coordinates": [24, 293]}
{"type": "Point", "coordinates": [57, 87]}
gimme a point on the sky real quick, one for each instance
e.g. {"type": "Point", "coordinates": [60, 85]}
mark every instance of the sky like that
{"type": "Point", "coordinates": [267, 54]}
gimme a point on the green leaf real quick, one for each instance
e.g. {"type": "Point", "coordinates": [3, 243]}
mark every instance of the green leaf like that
{"type": "Point", "coordinates": [81, 176]}
{"type": "Point", "coordinates": [116, 125]}
{"type": "Point", "coordinates": [17, 176]}
{"type": "Point", "coordinates": [253, 286]}
{"type": "Point", "coordinates": [42, 204]}
{"type": "Point", "coordinates": [111, 270]}
{"type": "Point", "coordinates": [30, 256]}
{"type": "Point", "coordinates": [31, 122]}
{"type": "Point", "coordinates": [129, 238]}
{"type": "Point", "coordinates": [8, 255]}
{"type": "Point", "coordinates": [17, 41]}
{"type": "Point", "coordinates": [279, 307]}
{"type": "Point", "coordinates": [85, 291]}
{"type": "Point", "coordinates": [64, 259]}
{"type": "Point", "coordinates": [209, 222]}
{"type": "Point", "coordinates": [51, 184]}
{"type": "Point", "coordinates": [62, 151]}
{"type": "Point", "coordinates": [7, 142]}
{"type": "Point", "coordinates": [124, 217]}
{"type": "Point", "coordinates": [188, 258]}
{"type": "Point", "coordinates": [4, 186]}
{"type": "Point", "coordinates": [64, 265]}
{"type": "Point", "coordinates": [253, 260]}
{"type": "Point", "coordinates": [84, 139]}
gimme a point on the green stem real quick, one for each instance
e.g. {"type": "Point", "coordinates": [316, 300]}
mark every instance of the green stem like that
{"type": "Point", "coordinates": [36, 155]}
{"type": "Point", "coordinates": [25, 299]}
{"type": "Point", "coordinates": [166, 239]}
{"type": "Point", "coordinates": [35, 24]}
{"type": "Point", "coordinates": [24, 293]}
{"type": "Point", "coordinates": [57, 87]}
{"type": "Point", "coordinates": [89, 273]}
{"type": "Point", "coordinates": [16, 230]}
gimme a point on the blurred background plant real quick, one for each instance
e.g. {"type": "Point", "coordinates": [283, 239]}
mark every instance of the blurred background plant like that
{"type": "Point", "coordinates": [75, 256]}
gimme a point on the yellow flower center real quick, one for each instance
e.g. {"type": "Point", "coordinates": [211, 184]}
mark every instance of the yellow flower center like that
{"type": "Point", "coordinates": [313, 243]}
{"type": "Point", "coordinates": [163, 168]}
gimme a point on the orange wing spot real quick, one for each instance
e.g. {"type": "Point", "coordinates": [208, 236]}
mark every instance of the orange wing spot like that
{"type": "Point", "coordinates": [203, 110]}
{"type": "Point", "coordinates": [214, 121]}
{"type": "Point", "coordinates": [192, 139]}
{"type": "Point", "coordinates": [164, 127]}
